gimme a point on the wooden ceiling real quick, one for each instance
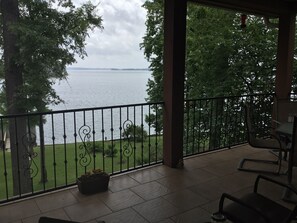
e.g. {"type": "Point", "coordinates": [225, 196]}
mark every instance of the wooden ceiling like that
{"type": "Point", "coordinates": [271, 8]}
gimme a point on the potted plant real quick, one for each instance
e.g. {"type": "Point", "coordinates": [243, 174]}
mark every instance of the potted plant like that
{"type": "Point", "coordinates": [93, 182]}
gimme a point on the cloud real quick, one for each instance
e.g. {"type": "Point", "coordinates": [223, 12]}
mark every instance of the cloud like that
{"type": "Point", "coordinates": [117, 45]}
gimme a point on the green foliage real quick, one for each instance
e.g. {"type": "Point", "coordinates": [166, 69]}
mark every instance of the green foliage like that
{"type": "Point", "coordinates": [111, 151]}
{"type": "Point", "coordinates": [56, 155]}
{"type": "Point", "coordinates": [155, 122]}
{"type": "Point", "coordinates": [135, 132]}
{"type": "Point", "coordinates": [226, 60]}
{"type": "Point", "coordinates": [221, 57]}
{"type": "Point", "coordinates": [97, 148]}
{"type": "Point", "coordinates": [153, 48]}
{"type": "Point", "coordinates": [51, 34]}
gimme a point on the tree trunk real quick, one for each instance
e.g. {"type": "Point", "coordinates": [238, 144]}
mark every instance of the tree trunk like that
{"type": "Point", "coordinates": [13, 82]}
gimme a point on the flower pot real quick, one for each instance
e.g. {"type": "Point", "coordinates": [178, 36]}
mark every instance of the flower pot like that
{"type": "Point", "coordinates": [93, 183]}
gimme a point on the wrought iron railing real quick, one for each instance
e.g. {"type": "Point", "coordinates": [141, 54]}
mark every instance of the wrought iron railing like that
{"type": "Point", "coordinates": [48, 151]}
{"type": "Point", "coordinates": [215, 123]}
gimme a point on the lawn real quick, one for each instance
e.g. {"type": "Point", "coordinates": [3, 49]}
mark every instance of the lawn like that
{"type": "Point", "coordinates": [64, 163]}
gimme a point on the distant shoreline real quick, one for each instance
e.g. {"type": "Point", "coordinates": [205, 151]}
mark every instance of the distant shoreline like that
{"type": "Point", "coordinates": [84, 68]}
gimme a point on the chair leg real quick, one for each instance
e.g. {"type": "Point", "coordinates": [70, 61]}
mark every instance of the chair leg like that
{"type": "Point", "coordinates": [275, 152]}
{"type": "Point", "coordinates": [275, 162]}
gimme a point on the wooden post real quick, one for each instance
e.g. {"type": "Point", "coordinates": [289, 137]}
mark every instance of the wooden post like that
{"type": "Point", "coordinates": [174, 77]}
{"type": "Point", "coordinates": [285, 54]}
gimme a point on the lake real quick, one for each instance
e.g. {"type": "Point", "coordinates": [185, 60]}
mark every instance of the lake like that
{"type": "Point", "coordinates": [96, 88]}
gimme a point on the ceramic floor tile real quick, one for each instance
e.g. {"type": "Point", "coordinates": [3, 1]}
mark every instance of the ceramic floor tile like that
{"type": "Point", "coordinates": [150, 190]}
{"type": "Point", "coordinates": [200, 175]}
{"type": "Point", "coordinates": [55, 200]}
{"type": "Point", "coordinates": [177, 182]}
{"type": "Point", "coordinates": [157, 194]}
{"type": "Point", "coordinates": [166, 221]}
{"type": "Point", "coordinates": [127, 215]}
{"type": "Point", "coordinates": [235, 182]}
{"type": "Point", "coordinates": [119, 183]}
{"type": "Point", "coordinates": [167, 171]}
{"type": "Point", "coordinates": [195, 163]}
{"type": "Point", "coordinates": [193, 216]}
{"type": "Point", "coordinates": [225, 155]}
{"type": "Point", "coordinates": [122, 199]}
{"type": "Point", "coordinates": [58, 213]}
{"type": "Point", "coordinates": [244, 150]}
{"type": "Point", "coordinates": [144, 176]}
{"type": "Point", "coordinates": [185, 199]}
{"type": "Point", "coordinates": [92, 221]}
{"type": "Point", "coordinates": [211, 190]}
{"type": "Point", "coordinates": [156, 210]}
{"type": "Point", "coordinates": [87, 210]}
{"type": "Point", "coordinates": [211, 207]}
{"type": "Point", "coordinates": [223, 168]}
{"type": "Point", "coordinates": [81, 197]}
{"type": "Point", "coordinates": [17, 211]}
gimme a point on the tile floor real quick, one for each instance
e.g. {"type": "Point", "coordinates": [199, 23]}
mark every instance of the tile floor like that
{"type": "Point", "coordinates": [156, 194]}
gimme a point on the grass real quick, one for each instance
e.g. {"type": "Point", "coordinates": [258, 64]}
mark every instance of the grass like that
{"type": "Point", "coordinates": [64, 163]}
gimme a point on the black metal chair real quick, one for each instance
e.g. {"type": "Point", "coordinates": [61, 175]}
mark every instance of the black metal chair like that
{"type": "Point", "coordinates": [255, 207]}
{"type": "Point", "coordinates": [270, 142]}
{"type": "Point", "coordinates": [55, 220]}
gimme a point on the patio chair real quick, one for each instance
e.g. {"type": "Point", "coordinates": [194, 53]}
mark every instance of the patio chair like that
{"type": "Point", "coordinates": [255, 207]}
{"type": "Point", "coordinates": [270, 143]}
{"type": "Point", "coordinates": [55, 220]}
{"type": "Point", "coordinates": [284, 110]}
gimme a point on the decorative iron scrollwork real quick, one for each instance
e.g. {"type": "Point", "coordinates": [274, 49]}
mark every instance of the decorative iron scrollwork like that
{"type": "Point", "coordinates": [28, 142]}
{"type": "Point", "coordinates": [85, 147]}
{"type": "Point", "coordinates": [127, 148]}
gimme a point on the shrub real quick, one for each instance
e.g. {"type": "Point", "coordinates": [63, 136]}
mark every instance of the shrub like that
{"type": "Point", "coordinates": [110, 151]}
{"type": "Point", "coordinates": [135, 132]}
{"type": "Point", "coordinates": [142, 161]}
{"type": "Point", "coordinates": [97, 148]}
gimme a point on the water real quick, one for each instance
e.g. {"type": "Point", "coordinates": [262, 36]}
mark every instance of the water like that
{"type": "Point", "coordinates": [97, 88]}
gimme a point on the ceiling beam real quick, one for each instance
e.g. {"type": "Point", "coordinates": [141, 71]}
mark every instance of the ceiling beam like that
{"type": "Point", "coordinates": [271, 8]}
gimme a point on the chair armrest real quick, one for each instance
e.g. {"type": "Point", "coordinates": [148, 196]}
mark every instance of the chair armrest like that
{"type": "Point", "coordinates": [277, 122]}
{"type": "Point", "coordinates": [240, 202]}
{"type": "Point", "coordinates": [272, 181]}
{"type": "Point", "coordinates": [278, 140]}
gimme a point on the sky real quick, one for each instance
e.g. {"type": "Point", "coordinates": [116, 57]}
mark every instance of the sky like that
{"type": "Point", "coordinates": [117, 45]}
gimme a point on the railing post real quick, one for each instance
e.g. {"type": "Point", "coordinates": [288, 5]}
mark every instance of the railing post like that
{"type": "Point", "coordinates": [42, 152]}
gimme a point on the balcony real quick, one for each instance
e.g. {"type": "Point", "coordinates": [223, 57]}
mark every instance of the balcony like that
{"type": "Point", "coordinates": [154, 194]}
{"type": "Point", "coordinates": [126, 141]}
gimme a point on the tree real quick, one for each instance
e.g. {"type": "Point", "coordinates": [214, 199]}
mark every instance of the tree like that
{"type": "Point", "coordinates": [13, 81]}
{"type": "Point", "coordinates": [222, 59]}
{"type": "Point", "coordinates": [225, 60]}
{"type": "Point", "coordinates": [153, 50]}
{"type": "Point", "coordinates": [40, 38]}
{"type": "Point", "coordinates": [50, 37]}
{"type": "Point", "coordinates": [218, 51]}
